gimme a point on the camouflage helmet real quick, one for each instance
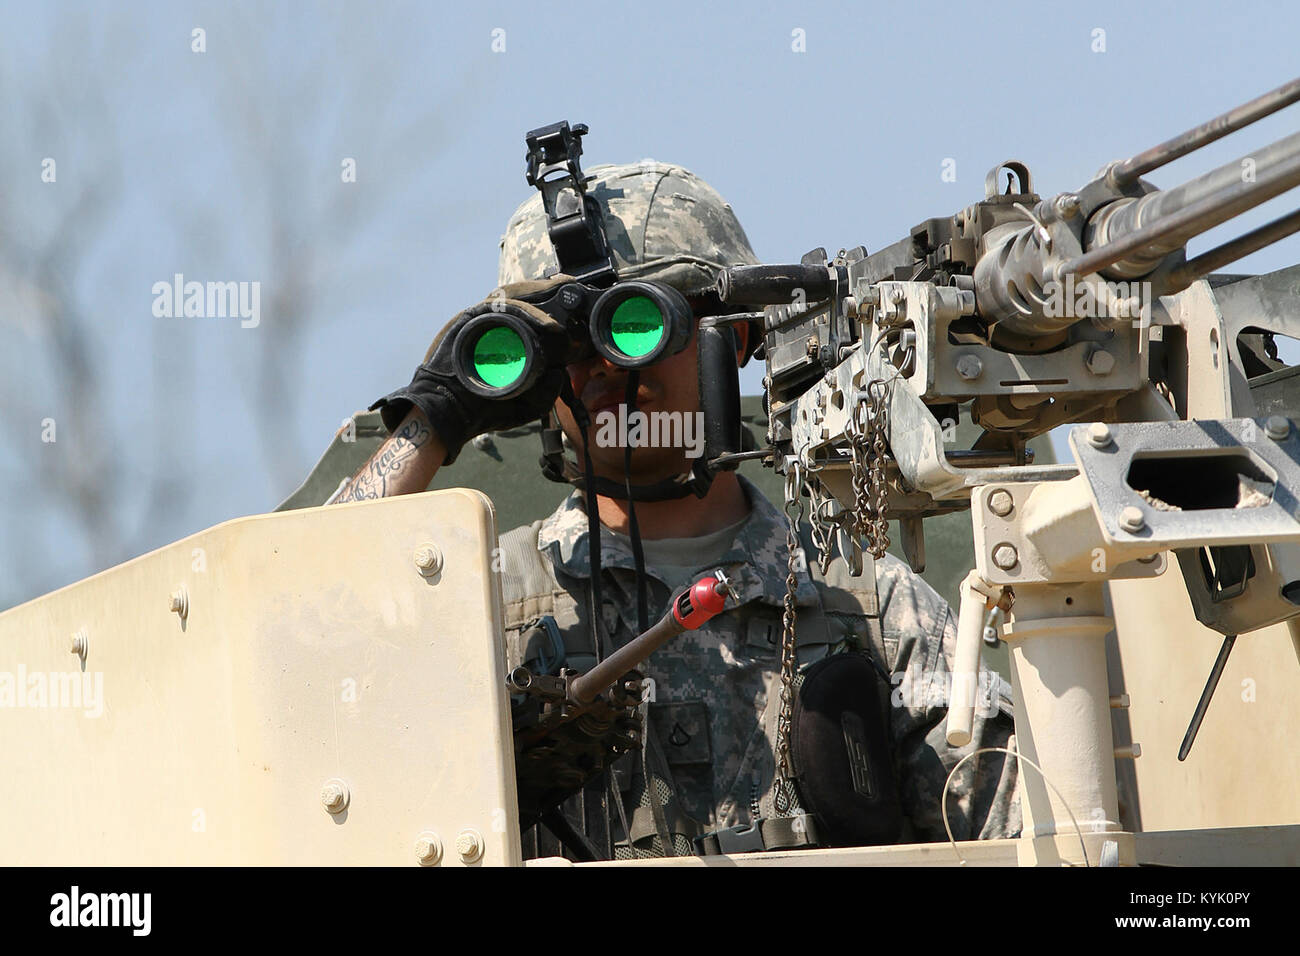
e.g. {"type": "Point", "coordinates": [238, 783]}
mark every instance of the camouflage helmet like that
{"type": "Point", "coordinates": [662, 222]}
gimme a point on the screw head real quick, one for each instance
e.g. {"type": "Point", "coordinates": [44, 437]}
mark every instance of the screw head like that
{"type": "Point", "coordinates": [428, 559]}
{"type": "Point", "coordinates": [80, 643]}
{"type": "Point", "coordinates": [1277, 427]}
{"type": "Point", "coordinates": [969, 367]}
{"type": "Point", "coordinates": [1100, 362]}
{"type": "Point", "coordinates": [180, 603]}
{"type": "Point", "coordinates": [1099, 435]}
{"type": "Point", "coordinates": [428, 849]}
{"type": "Point", "coordinates": [897, 296]}
{"type": "Point", "coordinates": [469, 845]}
{"type": "Point", "coordinates": [334, 796]}
{"type": "Point", "coordinates": [1000, 503]}
{"type": "Point", "coordinates": [1005, 556]}
{"type": "Point", "coordinates": [1131, 519]}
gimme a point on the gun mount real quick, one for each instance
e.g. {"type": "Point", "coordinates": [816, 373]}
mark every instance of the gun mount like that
{"type": "Point", "coordinates": [1026, 314]}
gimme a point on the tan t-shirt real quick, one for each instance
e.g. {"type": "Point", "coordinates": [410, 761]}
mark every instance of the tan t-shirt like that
{"type": "Point", "coordinates": [685, 559]}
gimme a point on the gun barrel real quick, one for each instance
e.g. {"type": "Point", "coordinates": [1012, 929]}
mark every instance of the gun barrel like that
{"type": "Point", "coordinates": [1128, 238]}
{"type": "Point", "coordinates": [1218, 257]}
{"type": "Point", "coordinates": [1129, 170]}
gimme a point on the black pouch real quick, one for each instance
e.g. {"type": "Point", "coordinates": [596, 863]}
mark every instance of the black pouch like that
{"type": "Point", "coordinates": [839, 748]}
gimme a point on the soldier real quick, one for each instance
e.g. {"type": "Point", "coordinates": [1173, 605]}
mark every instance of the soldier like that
{"type": "Point", "coordinates": [710, 731]}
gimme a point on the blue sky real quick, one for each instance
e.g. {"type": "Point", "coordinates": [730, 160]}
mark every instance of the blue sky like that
{"type": "Point", "coordinates": [839, 145]}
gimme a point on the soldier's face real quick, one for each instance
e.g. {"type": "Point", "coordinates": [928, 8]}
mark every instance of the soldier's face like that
{"type": "Point", "coordinates": [669, 386]}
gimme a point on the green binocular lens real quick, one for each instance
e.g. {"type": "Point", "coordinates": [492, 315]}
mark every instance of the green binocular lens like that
{"type": "Point", "coordinates": [636, 323]}
{"type": "Point", "coordinates": [636, 326]}
{"type": "Point", "coordinates": [497, 356]}
{"type": "Point", "coordinates": [500, 357]}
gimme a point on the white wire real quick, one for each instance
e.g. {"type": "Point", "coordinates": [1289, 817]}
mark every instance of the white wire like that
{"type": "Point", "coordinates": [943, 802]}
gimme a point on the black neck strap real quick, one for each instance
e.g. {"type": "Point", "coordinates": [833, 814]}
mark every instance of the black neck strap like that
{"type": "Point", "coordinates": [634, 530]}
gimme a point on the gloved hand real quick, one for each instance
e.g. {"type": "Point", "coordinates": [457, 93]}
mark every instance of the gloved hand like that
{"type": "Point", "coordinates": [456, 413]}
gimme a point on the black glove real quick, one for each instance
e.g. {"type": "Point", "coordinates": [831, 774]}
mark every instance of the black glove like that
{"type": "Point", "coordinates": [456, 413]}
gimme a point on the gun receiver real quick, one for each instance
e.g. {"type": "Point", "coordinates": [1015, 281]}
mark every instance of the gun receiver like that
{"type": "Point", "coordinates": [1037, 312]}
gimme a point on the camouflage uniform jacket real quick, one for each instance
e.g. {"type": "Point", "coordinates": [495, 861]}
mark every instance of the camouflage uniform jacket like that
{"type": "Point", "coordinates": [713, 685]}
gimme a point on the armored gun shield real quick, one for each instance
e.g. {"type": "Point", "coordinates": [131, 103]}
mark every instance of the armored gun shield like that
{"type": "Point", "coordinates": [315, 687]}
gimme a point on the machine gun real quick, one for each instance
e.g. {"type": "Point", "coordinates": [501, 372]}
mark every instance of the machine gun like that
{"type": "Point", "coordinates": [1028, 313]}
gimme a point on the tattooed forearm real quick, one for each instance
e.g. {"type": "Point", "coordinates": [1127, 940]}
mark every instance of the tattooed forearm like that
{"type": "Point", "coordinates": [405, 463]}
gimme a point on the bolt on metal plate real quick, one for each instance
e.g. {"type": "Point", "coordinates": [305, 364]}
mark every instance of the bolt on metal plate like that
{"type": "Point", "coordinates": [469, 845]}
{"type": "Point", "coordinates": [428, 560]}
{"type": "Point", "coordinates": [180, 603]}
{"type": "Point", "coordinates": [1005, 556]}
{"type": "Point", "coordinates": [428, 849]}
{"type": "Point", "coordinates": [1000, 502]}
{"type": "Point", "coordinates": [334, 796]}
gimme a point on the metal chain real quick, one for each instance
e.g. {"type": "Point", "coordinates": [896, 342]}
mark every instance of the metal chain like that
{"type": "Point", "coordinates": [867, 450]}
{"type": "Point", "coordinates": [824, 526]}
{"type": "Point", "coordinates": [867, 429]}
{"type": "Point", "coordinates": [859, 456]}
{"type": "Point", "coordinates": [878, 536]}
{"type": "Point", "coordinates": [820, 528]}
{"type": "Point", "coordinates": [784, 789]}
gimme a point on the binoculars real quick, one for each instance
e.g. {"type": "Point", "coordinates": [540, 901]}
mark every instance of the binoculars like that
{"type": "Point", "coordinates": [631, 324]}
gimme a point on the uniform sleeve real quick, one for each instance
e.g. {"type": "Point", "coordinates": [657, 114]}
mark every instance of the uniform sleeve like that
{"type": "Point", "coordinates": [983, 799]}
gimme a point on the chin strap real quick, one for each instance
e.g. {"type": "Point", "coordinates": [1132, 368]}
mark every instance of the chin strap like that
{"type": "Point", "coordinates": [555, 467]}
{"type": "Point", "coordinates": [719, 391]}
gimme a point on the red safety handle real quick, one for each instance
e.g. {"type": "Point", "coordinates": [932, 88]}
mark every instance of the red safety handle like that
{"type": "Point", "coordinates": [701, 602]}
